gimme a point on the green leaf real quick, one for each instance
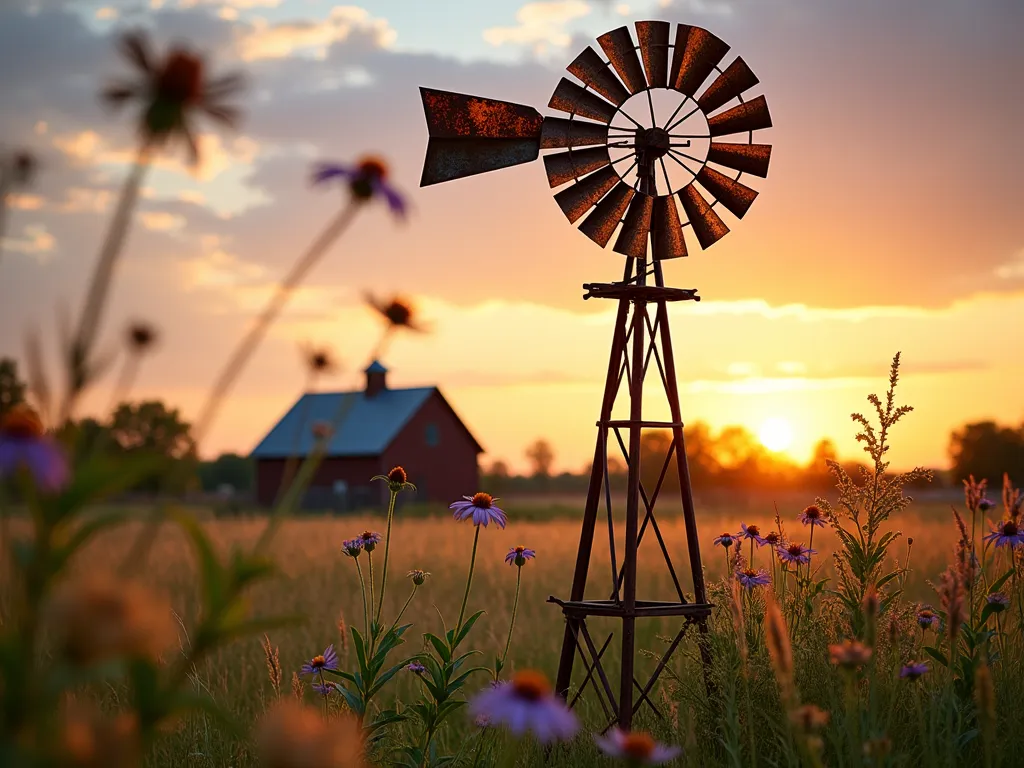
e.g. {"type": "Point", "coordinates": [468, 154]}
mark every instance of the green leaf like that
{"type": "Point", "coordinates": [385, 718]}
{"type": "Point", "coordinates": [458, 682]}
{"type": "Point", "coordinates": [998, 583]}
{"type": "Point", "coordinates": [383, 679]}
{"type": "Point", "coordinates": [354, 701]}
{"type": "Point", "coordinates": [210, 569]}
{"type": "Point", "coordinates": [936, 654]}
{"type": "Point", "coordinates": [466, 627]}
{"type": "Point", "coordinates": [357, 643]}
{"type": "Point", "coordinates": [439, 646]}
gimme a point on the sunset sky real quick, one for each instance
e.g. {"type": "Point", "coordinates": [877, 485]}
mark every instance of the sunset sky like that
{"type": "Point", "coordinates": [891, 219]}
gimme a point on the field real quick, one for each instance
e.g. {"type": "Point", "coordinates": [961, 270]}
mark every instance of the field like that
{"type": "Point", "coordinates": [320, 585]}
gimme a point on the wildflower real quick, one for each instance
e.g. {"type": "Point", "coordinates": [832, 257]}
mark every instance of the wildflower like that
{"type": "Point", "coordinates": [985, 504]}
{"type": "Point", "coordinates": [850, 654]}
{"type": "Point", "coordinates": [327, 660]}
{"type": "Point", "coordinates": [370, 540]}
{"type": "Point", "coordinates": [636, 748]}
{"type": "Point", "coordinates": [812, 516]}
{"type": "Point", "coordinates": [396, 479]}
{"type": "Point", "coordinates": [913, 670]}
{"type": "Point", "coordinates": [526, 703]}
{"type": "Point", "coordinates": [366, 180]}
{"type": "Point", "coordinates": [88, 739]}
{"type": "Point", "coordinates": [773, 538]}
{"type": "Point", "coordinates": [418, 576]}
{"type": "Point", "coordinates": [725, 540]}
{"type": "Point", "coordinates": [141, 336]}
{"type": "Point", "coordinates": [1007, 533]}
{"type": "Point", "coordinates": [927, 618]}
{"type": "Point", "coordinates": [398, 312]}
{"type": "Point", "coordinates": [23, 443]}
{"type": "Point", "coordinates": [171, 91]}
{"type": "Point", "coordinates": [795, 553]}
{"type": "Point", "coordinates": [482, 721]}
{"type": "Point", "coordinates": [352, 547]}
{"type": "Point", "coordinates": [480, 508]}
{"type": "Point", "coordinates": [324, 689]}
{"type": "Point", "coordinates": [752, 532]}
{"type": "Point", "coordinates": [750, 578]}
{"type": "Point", "coordinates": [809, 718]}
{"type": "Point", "coordinates": [295, 736]}
{"type": "Point", "coordinates": [519, 555]}
{"type": "Point", "coordinates": [416, 668]}
{"type": "Point", "coordinates": [101, 617]}
{"type": "Point", "coordinates": [999, 601]}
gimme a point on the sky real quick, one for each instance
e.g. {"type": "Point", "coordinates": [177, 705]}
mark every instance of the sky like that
{"type": "Point", "coordinates": [890, 220]}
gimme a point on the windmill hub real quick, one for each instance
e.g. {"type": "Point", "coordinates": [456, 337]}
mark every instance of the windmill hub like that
{"type": "Point", "coordinates": [652, 143]}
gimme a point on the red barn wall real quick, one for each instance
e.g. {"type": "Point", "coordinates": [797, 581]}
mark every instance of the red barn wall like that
{"type": "Point", "coordinates": [354, 471]}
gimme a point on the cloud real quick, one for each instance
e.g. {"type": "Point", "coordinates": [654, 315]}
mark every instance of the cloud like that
{"type": "Point", "coordinates": [35, 241]}
{"type": "Point", "coordinates": [160, 221]}
{"type": "Point", "coordinates": [540, 24]}
{"type": "Point", "coordinates": [284, 39]}
{"type": "Point", "coordinates": [25, 202]}
{"type": "Point", "coordinates": [1013, 269]}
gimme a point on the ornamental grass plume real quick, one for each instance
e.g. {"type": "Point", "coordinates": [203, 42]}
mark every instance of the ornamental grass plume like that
{"type": "Point", "coordinates": [952, 600]}
{"type": "Point", "coordinates": [292, 735]}
{"type": "Point", "coordinates": [985, 701]}
{"type": "Point", "coordinates": [780, 650]}
{"type": "Point", "coordinates": [271, 655]}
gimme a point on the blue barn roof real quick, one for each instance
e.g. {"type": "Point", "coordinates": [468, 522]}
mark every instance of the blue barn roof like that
{"type": "Point", "coordinates": [363, 426]}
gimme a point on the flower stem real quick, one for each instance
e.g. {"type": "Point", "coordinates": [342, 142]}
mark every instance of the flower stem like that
{"type": "Point", "coordinates": [512, 623]}
{"type": "Point", "coordinates": [402, 612]}
{"type": "Point", "coordinates": [387, 551]}
{"type": "Point", "coordinates": [323, 685]}
{"type": "Point", "coordinates": [469, 582]}
{"type": "Point", "coordinates": [369, 557]}
{"type": "Point", "coordinates": [362, 591]}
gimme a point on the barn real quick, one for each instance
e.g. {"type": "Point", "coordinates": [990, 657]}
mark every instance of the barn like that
{"type": "Point", "coordinates": [375, 429]}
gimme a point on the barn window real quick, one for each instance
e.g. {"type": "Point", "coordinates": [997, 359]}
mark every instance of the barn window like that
{"type": "Point", "coordinates": [432, 435]}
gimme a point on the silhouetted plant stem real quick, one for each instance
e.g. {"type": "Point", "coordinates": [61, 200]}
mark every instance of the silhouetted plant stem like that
{"type": "Point", "coordinates": [469, 581]}
{"type": "Point", "coordinates": [401, 613]}
{"type": "Point", "coordinates": [387, 552]}
{"type": "Point", "coordinates": [369, 559]}
{"type": "Point", "coordinates": [512, 623]}
{"type": "Point", "coordinates": [5, 191]}
{"type": "Point", "coordinates": [362, 591]}
{"type": "Point", "coordinates": [248, 345]}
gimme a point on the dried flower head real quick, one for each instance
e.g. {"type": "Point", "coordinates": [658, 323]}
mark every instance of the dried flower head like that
{"type": "Point", "coordinates": [295, 736]}
{"type": "Point", "coordinates": [397, 480]}
{"type": "Point", "coordinates": [398, 312]}
{"type": "Point", "coordinates": [773, 538]}
{"type": "Point", "coordinates": [141, 337]}
{"type": "Point", "coordinates": [418, 576]}
{"type": "Point", "coordinates": [101, 616]}
{"type": "Point", "coordinates": [850, 654]}
{"type": "Point", "coordinates": [319, 360]}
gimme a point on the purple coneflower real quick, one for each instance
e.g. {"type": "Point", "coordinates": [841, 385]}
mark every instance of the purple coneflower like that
{"type": "Point", "coordinates": [999, 601]}
{"type": "Point", "coordinates": [24, 443]}
{"type": "Point", "coordinates": [526, 703]}
{"type": "Point", "coordinates": [725, 540]}
{"type": "Point", "coordinates": [519, 555]}
{"type": "Point", "coordinates": [637, 748]}
{"type": "Point", "coordinates": [366, 179]}
{"type": "Point", "coordinates": [795, 553]}
{"type": "Point", "coordinates": [750, 578]}
{"type": "Point", "coordinates": [1007, 533]}
{"type": "Point", "coordinates": [352, 547]}
{"type": "Point", "coordinates": [752, 532]}
{"type": "Point", "coordinates": [773, 538]}
{"type": "Point", "coordinates": [370, 540]}
{"type": "Point", "coordinates": [480, 508]}
{"type": "Point", "coordinates": [927, 618]}
{"type": "Point", "coordinates": [323, 690]}
{"type": "Point", "coordinates": [328, 660]}
{"type": "Point", "coordinates": [813, 516]}
{"type": "Point", "coordinates": [416, 668]}
{"type": "Point", "coordinates": [913, 670]}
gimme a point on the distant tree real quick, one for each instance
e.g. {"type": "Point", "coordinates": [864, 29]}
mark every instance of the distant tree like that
{"type": "Point", "coordinates": [498, 468]}
{"type": "Point", "coordinates": [541, 456]}
{"type": "Point", "coordinates": [817, 472]}
{"type": "Point", "coordinates": [987, 450]}
{"type": "Point", "coordinates": [700, 452]}
{"type": "Point", "coordinates": [150, 427]}
{"type": "Point", "coordinates": [12, 388]}
{"type": "Point", "coordinates": [227, 469]}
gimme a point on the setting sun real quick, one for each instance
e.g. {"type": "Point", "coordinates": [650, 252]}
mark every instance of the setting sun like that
{"type": "Point", "coordinates": [775, 434]}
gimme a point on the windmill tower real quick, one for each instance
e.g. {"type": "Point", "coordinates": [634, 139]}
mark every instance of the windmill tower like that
{"type": "Point", "coordinates": [642, 140]}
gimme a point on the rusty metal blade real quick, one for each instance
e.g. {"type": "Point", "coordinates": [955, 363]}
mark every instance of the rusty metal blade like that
{"type": "Point", "coordinates": [621, 51]}
{"type": "Point", "coordinates": [558, 132]}
{"type": "Point", "coordinates": [592, 70]}
{"type": "Point", "coordinates": [696, 54]}
{"type": "Point", "coordinates": [749, 158]}
{"type": "Point", "coordinates": [736, 79]}
{"type": "Point", "coordinates": [667, 240]}
{"type": "Point", "coordinates": [580, 197]}
{"type": "Point", "coordinates": [449, 159]}
{"type": "Point", "coordinates": [571, 98]}
{"type": "Point", "coordinates": [454, 115]}
{"type": "Point", "coordinates": [749, 116]}
{"type": "Point", "coordinates": [707, 225]}
{"type": "Point", "coordinates": [653, 39]}
{"type": "Point", "coordinates": [632, 239]}
{"type": "Point", "coordinates": [573, 163]}
{"type": "Point", "coordinates": [736, 197]}
{"type": "Point", "coordinates": [600, 225]}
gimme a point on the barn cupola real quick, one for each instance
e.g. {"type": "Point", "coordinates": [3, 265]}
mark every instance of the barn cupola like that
{"type": "Point", "coordinates": [376, 379]}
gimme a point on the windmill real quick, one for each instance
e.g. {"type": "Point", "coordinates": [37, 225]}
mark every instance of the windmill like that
{"type": "Point", "coordinates": [624, 170]}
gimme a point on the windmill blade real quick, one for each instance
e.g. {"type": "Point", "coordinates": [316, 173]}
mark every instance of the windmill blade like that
{"type": "Point", "coordinates": [580, 197]}
{"type": "Point", "coordinates": [571, 164]}
{"type": "Point", "coordinates": [736, 79]}
{"type": "Point", "coordinates": [707, 225]}
{"type": "Point", "coordinates": [749, 116]}
{"type": "Point", "coordinates": [667, 239]}
{"type": "Point", "coordinates": [653, 39]}
{"type": "Point", "coordinates": [558, 132]}
{"type": "Point", "coordinates": [696, 54]}
{"type": "Point", "coordinates": [734, 196]}
{"type": "Point", "coordinates": [602, 221]}
{"type": "Point", "coordinates": [749, 158]}
{"type": "Point", "coordinates": [471, 134]}
{"type": "Point", "coordinates": [571, 98]}
{"type": "Point", "coordinates": [618, 46]}
{"type": "Point", "coordinates": [592, 70]}
{"type": "Point", "coordinates": [632, 239]}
